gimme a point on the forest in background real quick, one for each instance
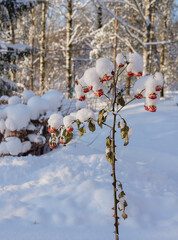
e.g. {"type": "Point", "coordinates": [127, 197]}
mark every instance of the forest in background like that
{"type": "Point", "coordinates": [47, 44]}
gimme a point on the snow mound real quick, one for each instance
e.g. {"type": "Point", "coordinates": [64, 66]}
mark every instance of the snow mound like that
{"type": "Point", "coordinates": [18, 117]}
{"type": "Point", "coordinates": [14, 100]}
{"type": "Point", "coordinates": [54, 98]}
{"type": "Point", "coordinates": [38, 106]}
{"type": "Point", "coordinates": [26, 95]}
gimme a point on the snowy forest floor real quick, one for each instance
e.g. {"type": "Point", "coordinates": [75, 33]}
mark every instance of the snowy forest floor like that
{"type": "Point", "coordinates": [67, 193]}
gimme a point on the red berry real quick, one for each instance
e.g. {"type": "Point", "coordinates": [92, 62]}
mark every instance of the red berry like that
{"type": "Point", "coordinates": [90, 88]}
{"type": "Point", "coordinates": [146, 108]}
{"type": "Point", "coordinates": [139, 74]}
{"type": "Point", "coordinates": [99, 93]}
{"type": "Point", "coordinates": [106, 78]}
{"type": "Point", "coordinates": [70, 129]}
{"type": "Point", "coordinates": [121, 65]}
{"type": "Point", "coordinates": [158, 88]}
{"type": "Point", "coordinates": [82, 98]}
{"type": "Point", "coordinates": [130, 74]}
{"type": "Point", "coordinates": [51, 130]}
{"type": "Point", "coordinates": [152, 108]}
{"type": "Point", "coordinates": [85, 90]}
{"type": "Point", "coordinates": [138, 96]}
{"type": "Point", "coordinates": [152, 96]}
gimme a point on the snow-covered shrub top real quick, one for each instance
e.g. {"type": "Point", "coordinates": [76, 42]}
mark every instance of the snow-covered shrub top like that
{"type": "Point", "coordinates": [149, 87]}
{"type": "Point", "coordinates": [26, 95]}
{"type": "Point", "coordinates": [21, 125]}
{"type": "Point", "coordinates": [14, 100]}
{"type": "Point", "coordinates": [55, 99]}
{"type": "Point", "coordinates": [18, 117]}
{"type": "Point", "coordinates": [37, 106]}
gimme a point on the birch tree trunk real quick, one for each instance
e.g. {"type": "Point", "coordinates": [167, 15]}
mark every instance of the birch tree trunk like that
{"type": "Point", "coordinates": [163, 38]}
{"type": "Point", "coordinates": [152, 12]}
{"type": "Point", "coordinates": [32, 50]}
{"type": "Point", "coordinates": [146, 38]}
{"type": "Point", "coordinates": [12, 36]}
{"type": "Point", "coordinates": [69, 49]}
{"type": "Point", "coordinates": [42, 48]}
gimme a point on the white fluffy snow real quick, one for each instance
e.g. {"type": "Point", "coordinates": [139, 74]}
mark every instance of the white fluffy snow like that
{"type": "Point", "coordinates": [120, 59]}
{"type": "Point", "coordinates": [38, 106]}
{"type": "Point", "coordinates": [104, 67]}
{"type": "Point", "coordinates": [80, 104]}
{"type": "Point", "coordinates": [135, 63]}
{"type": "Point", "coordinates": [79, 91]}
{"type": "Point", "coordinates": [18, 117]}
{"type": "Point", "coordinates": [14, 100]}
{"type": "Point", "coordinates": [68, 120]}
{"type": "Point", "coordinates": [55, 120]}
{"type": "Point", "coordinates": [13, 145]}
{"type": "Point", "coordinates": [67, 193]}
{"type": "Point", "coordinates": [26, 95]}
{"type": "Point", "coordinates": [159, 78]}
{"type": "Point", "coordinates": [84, 114]}
{"type": "Point", "coordinates": [54, 98]}
{"type": "Point", "coordinates": [91, 77]}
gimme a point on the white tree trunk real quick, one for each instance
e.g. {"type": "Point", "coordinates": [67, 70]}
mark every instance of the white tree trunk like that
{"type": "Point", "coordinates": [42, 48]}
{"type": "Point", "coordinates": [146, 38]}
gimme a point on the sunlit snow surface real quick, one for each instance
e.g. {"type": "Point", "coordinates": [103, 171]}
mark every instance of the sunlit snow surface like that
{"type": "Point", "coordinates": [67, 193]}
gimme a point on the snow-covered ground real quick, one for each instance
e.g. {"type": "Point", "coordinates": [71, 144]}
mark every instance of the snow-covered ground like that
{"type": "Point", "coordinates": [67, 193]}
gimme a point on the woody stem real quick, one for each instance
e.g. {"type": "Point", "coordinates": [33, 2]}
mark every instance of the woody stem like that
{"type": "Point", "coordinates": [114, 179]}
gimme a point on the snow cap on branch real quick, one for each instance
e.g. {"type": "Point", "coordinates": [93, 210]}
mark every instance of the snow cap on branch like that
{"type": "Point", "coordinates": [68, 120]}
{"type": "Point", "coordinates": [104, 67]}
{"type": "Point", "coordinates": [91, 77]}
{"type": "Point", "coordinates": [159, 78]}
{"type": "Point", "coordinates": [55, 121]}
{"type": "Point", "coordinates": [120, 60]}
{"type": "Point", "coordinates": [135, 63]}
{"type": "Point", "coordinates": [85, 114]}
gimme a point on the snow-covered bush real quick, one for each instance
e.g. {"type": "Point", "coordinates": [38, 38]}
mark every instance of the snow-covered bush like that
{"type": "Point", "coordinates": [23, 121]}
{"type": "Point", "coordinates": [102, 80]}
